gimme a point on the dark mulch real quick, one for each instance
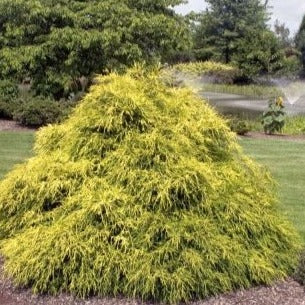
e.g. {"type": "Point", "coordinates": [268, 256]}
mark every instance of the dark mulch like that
{"type": "Point", "coordinates": [286, 292]}
{"type": "Point", "coordinates": [261, 135]}
{"type": "Point", "coordinates": [7, 125]}
{"type": "Point", "coordinates": [283, 293]}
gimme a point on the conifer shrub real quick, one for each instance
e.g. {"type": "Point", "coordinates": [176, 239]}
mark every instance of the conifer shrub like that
{"type": "Point", "coordinates": [144, 192]}
{"type": "Point", "coordinates": [217, 72]}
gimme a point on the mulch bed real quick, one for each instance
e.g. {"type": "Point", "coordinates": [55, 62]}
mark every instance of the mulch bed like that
{"type": "Point", "coordinates": [287, 292]}
{"type": "Point", "coordinates": [7, 125]}
{"type": "Point", "coordinates": [261, 135]}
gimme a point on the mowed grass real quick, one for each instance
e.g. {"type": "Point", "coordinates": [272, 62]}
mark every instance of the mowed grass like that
{"type": "Point", "coordinates": [285, 160]}
{"type": "Point", "coordinates": [14, 148]}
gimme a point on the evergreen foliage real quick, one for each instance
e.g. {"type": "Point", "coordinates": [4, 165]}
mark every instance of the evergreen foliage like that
{"type": "Point", "coordinates": [300, 41]}
{"type": "Point", "coordinates": [234, 31]}
{"type": "Point", "coordinates": [282, 32]}
{"type": "Point", "coordinates": [56, 44]}
{"type": "Point", "coordinates": [219, 73]}
{"type": "Point", "coordinates": [259, 53]}
{"type": "Point", "coordinates": [225, 22]}
{"type": "Point", "coordinates": [144, 192]}
{"type": "Point", "coordinates": [204, 67]}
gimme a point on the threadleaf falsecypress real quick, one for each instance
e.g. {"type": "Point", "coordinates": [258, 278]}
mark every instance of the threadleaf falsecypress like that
{"type": "Point", "coordinates": [144, 192]}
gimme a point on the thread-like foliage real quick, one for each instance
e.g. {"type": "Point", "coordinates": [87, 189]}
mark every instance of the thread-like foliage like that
{"type": "Point", "coordinates": [204, 67]}
{"type": "Point", "coordinates": [144, 192]}
{"type": "Point", "coordinates": [214, 72]}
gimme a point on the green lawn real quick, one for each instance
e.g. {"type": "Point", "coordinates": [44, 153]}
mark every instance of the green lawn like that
{"type": "Point", "coordinates": [285, 159]}
{"type": "Point", "coordinates": [14, 148]}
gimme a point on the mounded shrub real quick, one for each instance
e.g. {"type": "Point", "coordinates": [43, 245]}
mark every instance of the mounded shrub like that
{"type": "Point", "coordinates": [7, 109]}
{"type": "Point", "coordinates": [216, 72]}
{"type": "Point", "coordinates": [38, 111]}
{"type": "Point", "coordinates": [28, 110]}
{"type": "Point", "coordinates": [239, 126]}
{"type": "Point", "coordinates": [144, 192]}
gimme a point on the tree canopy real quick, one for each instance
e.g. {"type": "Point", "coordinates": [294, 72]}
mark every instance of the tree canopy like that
{"type": "Point", "coordinates": [237, 31]}
{"type": "Point", "coordinates": [300, 41]}
{"type": "Point", "coordinates": [283, 34]}
{"type": "Point", "coordinates": [56, 43]}
{"type": "Point", "coordinates": [259, 53]}
{"type": "Point", "coordinates": [227, 21]}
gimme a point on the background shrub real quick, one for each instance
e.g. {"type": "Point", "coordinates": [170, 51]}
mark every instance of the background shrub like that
{"type": "Point", "coordinates": [38, 111]}
{"type": "Point", "coordinates": [33, 111]}
{"type": "Point", "coordinates": [7, 108]}
{"type": "Point", "coordinates": [300, 42]}
{"type": "Point", "coordinates": [239, 126]}
{"type": "Point", "coordinates": [8, 98]}
{"type": "Point", "coordinates": [217, 72]}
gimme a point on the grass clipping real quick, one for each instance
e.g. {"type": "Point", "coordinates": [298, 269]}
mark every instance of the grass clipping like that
{"type": "Point", "coordinates": [144, 192]}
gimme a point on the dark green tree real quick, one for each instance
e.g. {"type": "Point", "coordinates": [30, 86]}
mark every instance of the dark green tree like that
{"type": "Point", "coordinates": [283, 34]}
{"type": "Point", "coordinates": [55, 44]}
{"type": "Point", "coordinates": [237, 31]}
{"type": "Point", "coordinates": [300, 42]}
{"type": "Point", "coordinates": [225, 22]}
{"type": "Point", "coordinates": [291, 53]}
{"type": "Point", "coordinates": [259, 53]}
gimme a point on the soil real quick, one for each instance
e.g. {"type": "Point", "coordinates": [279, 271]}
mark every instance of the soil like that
{"type": "Point", "coordinates": [7, 125]}
{"type": "Point", "coordinates": [284, 137]}
{"type": "Point", "coordinates": [286, 292]}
